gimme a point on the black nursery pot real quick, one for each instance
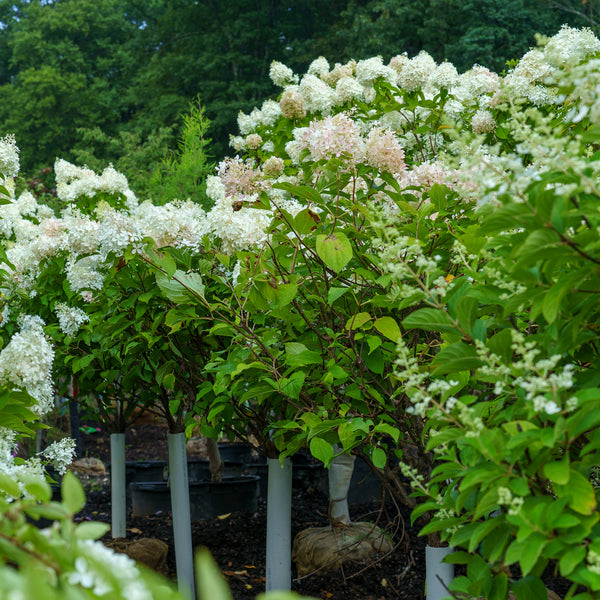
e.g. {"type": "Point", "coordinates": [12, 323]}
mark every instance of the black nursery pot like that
{"type": "Point", "coordinates": [365, 486]}
{"type": "Point", "coordinates": [237, 452]}
{"type": "Point", "coordinates": [143, 470]}
{"type": "Point", "coordinates": [208, 499]}
{"type": "Point", "coordinates": [199, 470]}
{"type": "Point", "coordinates": [305, 474]}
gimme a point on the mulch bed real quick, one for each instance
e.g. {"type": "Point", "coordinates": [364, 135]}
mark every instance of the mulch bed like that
{"type": "Point", "coordinates": [237, 542]}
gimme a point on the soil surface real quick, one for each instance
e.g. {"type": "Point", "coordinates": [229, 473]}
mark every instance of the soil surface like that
{"type": "Point", "coordinates": [237, 540]}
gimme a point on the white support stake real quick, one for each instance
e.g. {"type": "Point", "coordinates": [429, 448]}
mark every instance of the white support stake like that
{"type": "Point", "coordinates": [340, 475]}
{"type": "Point", "coordinates": [279, 526]}
{"type": "Point", "coordinates": [118, 485]}
{"type": "Point", "coordinates": [180, 506]}
{"type": "Point", "coordinates": [436, 570]}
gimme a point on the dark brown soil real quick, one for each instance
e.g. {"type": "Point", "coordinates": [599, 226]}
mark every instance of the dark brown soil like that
{"type": "Point", "coordinates": [238, 542]}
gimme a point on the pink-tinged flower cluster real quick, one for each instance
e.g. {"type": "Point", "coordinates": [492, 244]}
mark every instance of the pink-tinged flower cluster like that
{"type": "Point", "coordinates": [427, 174]}
{"type": "Point", "coordinates": [483, 122]}
{"type": "Point", "coordinates": [383, 151]}
{"type": "Point", "coordinates": [239, 177]}
{"type": "Point", "coordinates": [334, 137]}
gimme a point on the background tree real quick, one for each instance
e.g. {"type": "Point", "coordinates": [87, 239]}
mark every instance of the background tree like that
{"type": "Point", "coordinates": [92, 80]}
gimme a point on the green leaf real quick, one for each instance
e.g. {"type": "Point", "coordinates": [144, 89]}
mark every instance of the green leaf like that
{"type": "Point", "coordinates": [429, 319]}
{"type": "Point", "coordinates": [529, 588]}
{"type": "Point", "coordinates": [91, 530]}
{"type": "Point", "coordinates": [210, 583]}
{"type": "Point", "coordinates": [73, 496]}
{"type": "Point", "coordinates": [305, 221]}
{"type": "Point", "coordinates": [555, 295]}
{"type": "Point", "coordinates": [334, 250]}
{"type": "Point", "coordinates": [358, 320]}
{"type": "Point", "coordinates": [301, 191]}
{"type": "Point", "coordinates": [165, 261]}
{"type": "Point", "coordinates": [335, 293]}
{"type": "Point", "coordinates": [532, 549]}
{"type": "Point", "coordinates": [298, 355]}
{"type": "Point", "coordinates": [456, 357]}
{"type": "Point", "coordinates": [321, 449]}
{"type": "Point", "coordinates": [465, 310]}
{"type": "Point", "coordinates": [182, 288]}
{"type": "Point", "coordinates": [39, 489]}
{"type": "Point", "coordinates": [9, 486]}
{"type": "Point", "coordinates": [591, 134]}
{"type": "Point", "coordinates": [579, 492]}
{"type": "Point", "coordinates": [286, 292]}
{"type": "Point", "coordinates": [292, 386]}
{"type": "Point", "coordinates": [499, 587]}
{"type": "Point", "coordinates": [558, 472]}
{"type": "Point", "coordinates": [379, 458]}
{"type": "Point", "coordinates": [388, 327]}
{"type": "Point", "coordinates": [571, 559]}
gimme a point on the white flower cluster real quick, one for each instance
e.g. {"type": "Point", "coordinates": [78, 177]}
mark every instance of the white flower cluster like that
{"type": "Point", "coordinates": [9, 157]}
{"type": "Point", "coordinates": [506, 498]}
{"type": "Point", "coordinates": [26, 363]}
{"type": "Point", "coordinates": [107, 573]}
{"type": "Point", "coordinates": [73, 182]}
{"type": "Point", "coordinates": [22, 472]}
{"type": "Point", "coordinates": [70, 318]}
{"type": "Point", "coordinates": [60, 454]}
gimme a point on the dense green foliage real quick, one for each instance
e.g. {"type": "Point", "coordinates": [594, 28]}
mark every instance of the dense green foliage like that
{"type": "Point", "coordinates": [98, 80]}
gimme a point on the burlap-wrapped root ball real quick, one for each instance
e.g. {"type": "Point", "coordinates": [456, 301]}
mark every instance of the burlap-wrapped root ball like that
{"type": "Point", "coordinates": [323, 548]}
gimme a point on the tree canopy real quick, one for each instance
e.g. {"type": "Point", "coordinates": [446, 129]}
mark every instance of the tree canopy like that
{"type": "Point", "coordinates": [132, 67]}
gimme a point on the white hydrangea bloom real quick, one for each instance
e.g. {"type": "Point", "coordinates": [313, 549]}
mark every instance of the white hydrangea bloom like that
{"type": "Point", "coordinates": [93, 563]}
{"type": "Point", "coordinates": [475, 82]}
{"type": "Point", "coordinates": [60, 454]}
{"type": "Point", "coordinates": [533, 66]}
{"type": "Point", "coordinates": [238, 143]}
{"type": "Point", "coordinates": [417, 71]}
{"type": "Point", "coordinates": [215, 189]}
{"type": "Point", "coordinates": [70, 318]}
{"type": "Point", "coordinates": [445, 76]}
{"type": "Point", "coordinates": [248, 123]}
{"type": "Point", "coordinates": [569, 46]}
{"type": "Point", "coordinates": [348, 89]}
{"type": "Point", "coordinates": [84, 274]}
{"type": "Point", "coordinates": [318, 96]}
{"type": "Point", "coordinates": [83, 233]}
{"type": "Point", "coordinates": [178, 224]}
{"type": "Point", "coordinates": [238, 229]}
{"type": "Point", "coordinates": [26, 204]}
{"type": "Point", "coordinates": [367, 71]}
{"type": "Point", "coordinates": [270, 113]}
{"type": "Point", "coordinates": [9, 157]}
{"type": "Point", "coordinates": [73, 182]}
{"type": "Point", "coordinates": [281, 75]}
{"type": "Point", "coordinates": [117, 232]}
{"type": "Point", "coordinates": [483, 122]}
{"type": "Point", "coordinates": [25, 263]}
{"type": "Point", "coordinates": [52, 237]}
{"type": "Point", "coordinates": [26, 362]}
{"type": "Point", "coordinates": [319, 67]}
